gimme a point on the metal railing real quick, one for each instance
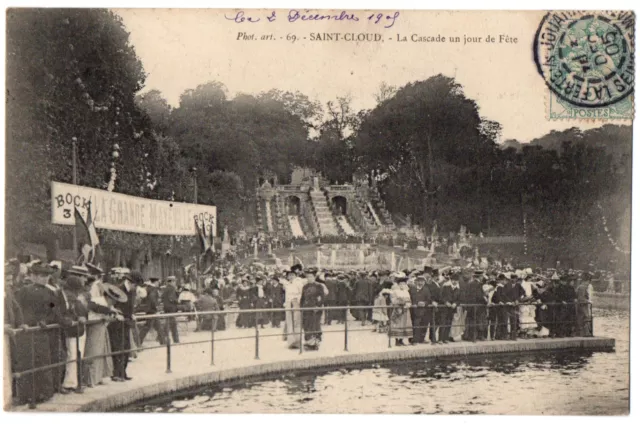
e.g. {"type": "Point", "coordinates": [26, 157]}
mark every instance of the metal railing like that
{"type": "Point", "coordinates": [565, 318]}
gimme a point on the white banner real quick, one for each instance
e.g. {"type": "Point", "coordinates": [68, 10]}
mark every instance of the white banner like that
{"type": "Point", "coordinates": [121, 212]}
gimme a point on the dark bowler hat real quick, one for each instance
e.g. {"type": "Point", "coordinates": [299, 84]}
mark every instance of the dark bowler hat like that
{"type": "Point", "coordinates": [39, 269]}
{"type": "Point", "coordinates": [135, 277]}
{"type": "Point", "coordinates": [74, 284]}
{"type": "Point", "coordinates": [296, 268]}
{"type": "Point", "coordinates": [114, 293]}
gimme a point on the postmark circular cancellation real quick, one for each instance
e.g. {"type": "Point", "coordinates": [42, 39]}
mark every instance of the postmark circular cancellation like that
{"type": "Point", "coordinates": [586, 58]}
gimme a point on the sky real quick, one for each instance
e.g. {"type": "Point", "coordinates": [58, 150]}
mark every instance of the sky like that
{"type": "Point", "coordinates": [182, 48]}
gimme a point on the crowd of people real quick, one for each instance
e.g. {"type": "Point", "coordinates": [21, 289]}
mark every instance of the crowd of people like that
{"type": "Point", "coordinates": [98, 314]}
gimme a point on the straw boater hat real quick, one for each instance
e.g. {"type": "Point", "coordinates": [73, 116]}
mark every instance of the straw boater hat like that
{"type": "Point", "coordinates": [114, 293]}
{"type": "Point", "coordinates": [95, 270]}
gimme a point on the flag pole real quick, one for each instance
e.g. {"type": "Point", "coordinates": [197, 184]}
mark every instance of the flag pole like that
{"type": "Point", "coordinates": [75, 182]}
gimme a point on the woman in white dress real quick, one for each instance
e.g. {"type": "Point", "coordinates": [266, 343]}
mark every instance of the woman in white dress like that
{"type": "Point", "coordinates": [97, 342]}
{"type": "Point", "coordinates": [293, 321]}
{"type": "Point", "coordinates": [527, 313]}
{"type": "Point", "coordinates": [400, 322]}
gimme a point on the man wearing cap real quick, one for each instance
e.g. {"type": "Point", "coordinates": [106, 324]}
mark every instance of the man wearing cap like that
{"type": "Point", "coordinates": [170, 306]}
{"type": "Point", "coordinates": [423, 313]}
{"type": "Point", "coordinates": [362, 296]}
{"type": "Point", "coordinates": [450, 297]}
{"type": "Point", "coordinates": [151, 306]}
{"type": "Point", "coordinates": [512, 293]}
{"type": "Point", "coordinates": [78, 311]}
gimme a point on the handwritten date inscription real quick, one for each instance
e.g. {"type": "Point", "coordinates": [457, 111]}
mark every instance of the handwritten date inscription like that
{"type": "Point", "coordinates": [387, 20]}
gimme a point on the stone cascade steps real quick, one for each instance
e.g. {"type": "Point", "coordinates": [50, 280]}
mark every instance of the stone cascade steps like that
{"type": "Point", "coordinates": [374, 214]}
{"type": "Point", "coordinates": [325, 219]}
{"type": "Point", "coordinates": [346, 227]}
{"type": "Point", "coordinates": [296, 228]}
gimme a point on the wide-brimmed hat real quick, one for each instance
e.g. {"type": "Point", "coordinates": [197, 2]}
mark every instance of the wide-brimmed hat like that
{"type": "Point", "coordinates": [114, 293]}
{"type": "Point", "coordinates": [79, 270]}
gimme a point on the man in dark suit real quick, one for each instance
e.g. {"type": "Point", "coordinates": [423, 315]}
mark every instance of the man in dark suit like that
{"type": "Point", "coordinates": [512, 293]}
{"type": "Point", "coordinates": [313, 294]}
{"type": "Point", "coordinates": [151, 306]}
{"type": "Point", "coordinates": [450, 297]}
{"type": "Point", "coordinates": [170, 306]}
{"type": "Point", "coordinates": [121, 330]}
{"type": "Point", "coordinates": [330, 300]}
{"type": "Point", "coordinates": [343, 294]}
{"type": "Point", "coordinates": [274, 292]}
{"type": "Point", "coordinates": [435, 290]}
{"type": "Point", "coordinates": [423, 311]}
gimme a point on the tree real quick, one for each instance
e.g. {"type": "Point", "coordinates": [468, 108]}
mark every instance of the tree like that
{"type": "Point", "coordinates": [157, 108]}
{"type": "Point", "coordinates": [71, 75]}
{"type": "Point", "coordinates": [427, 140]}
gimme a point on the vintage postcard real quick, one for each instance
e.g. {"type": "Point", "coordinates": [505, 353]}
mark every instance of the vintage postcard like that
{"type": "Point", "coordinates": [318, 211]}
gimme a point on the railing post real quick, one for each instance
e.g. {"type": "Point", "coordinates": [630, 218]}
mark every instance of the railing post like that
{"type": "Point", "coordinates": [591, 318]}
{"type": "Point", "coordinates": [32, 401]}
{"type": "Point", "coordinates": [125, 334]}
{"type": "Point", "coordinates": [168, 345]}
{"type": "Point", "coordinates": [475, 324]}
{"type": "Point", "coordinates": [301, 335]}
{"type": "Point", "coordinates": [346, 334]}
{"type": "Point", "coordinates": [79, 389]}
{"type": "Point", "coordinates": [576, 331]}
{"type": "Point", "coordinates": [257, 336]}
{"type": "Point", "coordinates": [388, 327]}
{"type": "Point", "coordinates": [213, 337]}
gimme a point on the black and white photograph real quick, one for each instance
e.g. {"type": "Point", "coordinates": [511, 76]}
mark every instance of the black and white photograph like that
{"type": "Point", "coordinates": [308, 211]}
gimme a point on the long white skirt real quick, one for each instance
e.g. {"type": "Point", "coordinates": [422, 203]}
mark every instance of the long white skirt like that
{"type": "Point", "coordinates": [528, 317]}
{"type": "Point", "coordinates": [293, 324]}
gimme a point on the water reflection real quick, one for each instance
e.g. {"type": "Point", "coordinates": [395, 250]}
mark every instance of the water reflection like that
{"type": "Point", "coordinates": [566, 383]}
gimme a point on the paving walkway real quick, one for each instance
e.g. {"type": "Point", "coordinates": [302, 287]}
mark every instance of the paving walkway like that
{"type": "Point", "coordinates": [234, 359]}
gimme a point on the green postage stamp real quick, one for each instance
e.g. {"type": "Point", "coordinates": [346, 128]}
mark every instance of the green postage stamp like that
{"type": "Point", "coordinates": [587, 62]}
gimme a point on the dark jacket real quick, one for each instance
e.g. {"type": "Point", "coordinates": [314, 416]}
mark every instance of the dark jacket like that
{"type": "Point", "coordinates": [312, 295]}
{"type": "Point", "coordinates": [343, 293]}
{"type": "Point", "coordinates": [151, 304]}
{"type": "Point", "coordinates": [275, 295]}
{"type": "Point", "coordinates": [435, 290]}
{"type": "Point", "coordinates": [512, 292]}
{"type": "Point", "coordinates": [78, 308]}
{"type": "Point", "coordinates": [170, 299]}
{"type": "Point", "coordinates": [450, 294]}
{"type": "Point", "coordinates": [421, 295]}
